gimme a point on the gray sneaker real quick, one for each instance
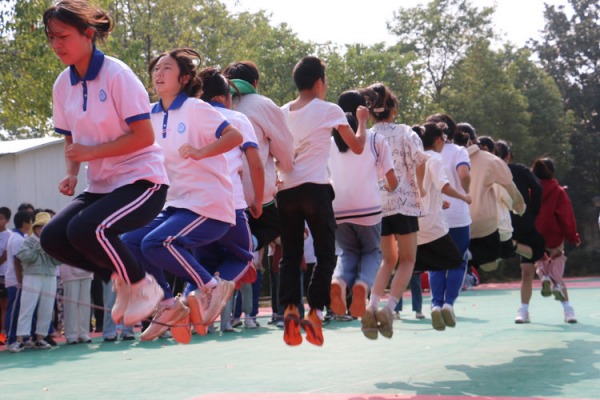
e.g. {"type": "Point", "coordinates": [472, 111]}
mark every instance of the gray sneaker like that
{"type": "Point", "coordinates": [42, 345]}
{"type": "Point", "coordinates": [558, 292]}
{"type": "Point", "coordinates": [546, 286]}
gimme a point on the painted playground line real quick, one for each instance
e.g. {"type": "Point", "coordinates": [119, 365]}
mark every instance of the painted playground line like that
{"type": "Point", "coordinates": [487, 356]}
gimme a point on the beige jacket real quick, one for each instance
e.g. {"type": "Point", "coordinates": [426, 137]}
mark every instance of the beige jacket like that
{"type": "Point", "coordinates": [487, 169]}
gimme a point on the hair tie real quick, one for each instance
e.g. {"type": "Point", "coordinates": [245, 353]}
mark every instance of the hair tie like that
{"type": "Point", "coordinates": [379, 110]}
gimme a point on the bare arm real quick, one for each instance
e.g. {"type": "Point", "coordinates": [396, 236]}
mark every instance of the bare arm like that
{"type": "Point", "coordinates": [230, 137]}
{"type": "Point", "coordinates": [68, 184]}
{"type": "Point", "coordinates": [141, 136]}
{"type": "Point", "coordinates": [450, 191]}
{"type": "Point", "coordinates": [19, 270]}
{"type": "Point", "coordinates": [257, 176]}
{"type": "Point", "coordinates": [392, 181]}
{"type": "Point", "coordinates": [421, 178]}
{"type": "Point", "coordinates": [356, 141]}
{"type": "Point", "coordinates": [464, 174]}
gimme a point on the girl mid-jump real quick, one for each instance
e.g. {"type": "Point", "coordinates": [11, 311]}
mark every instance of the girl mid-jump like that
{"type": "Point", "coordinates": [103, 110]}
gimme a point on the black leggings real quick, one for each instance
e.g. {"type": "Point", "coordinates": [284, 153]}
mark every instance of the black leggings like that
{"type": "Point", "coordinates": [85, 234]}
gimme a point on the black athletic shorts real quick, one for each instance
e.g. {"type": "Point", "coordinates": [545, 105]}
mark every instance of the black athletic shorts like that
{"type": "Point", "coordinates": [486, 249]}
{"type": "Point", "coordinates": [399, 224]}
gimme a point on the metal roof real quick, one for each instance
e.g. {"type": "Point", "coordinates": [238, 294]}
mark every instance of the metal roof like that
{"type": "Point", "coordinates": [19, 146]}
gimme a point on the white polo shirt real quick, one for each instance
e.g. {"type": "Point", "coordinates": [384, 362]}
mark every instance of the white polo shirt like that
{"type": "Point", "coordinates": [235, 157]}
{"type": "Point", "coordinates": [98, 109]}
{"type": "Point", "coordinates": [454, 156]}
{"type": "Point", "coordinates": [433, 224]}
{"type": "Point", "coordinates": [202, 186]}
{"type": "Point", "coordinates": [311, 128]}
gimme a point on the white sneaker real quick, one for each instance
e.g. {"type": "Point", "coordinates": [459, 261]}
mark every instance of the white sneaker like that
{"type": "Point", "coordinates": [522, 316]}
{"type": "Point", "coordinates": [437, 320]}
{"type": "Point", "coordinates": [250, 323]}
{"type": "Point", "coordinates": [143, 300]}
{"type": "Point", "coordinates": [165, 316]}
{"type": "Point", "coordinates": [123, 292]}
{"type": "Point", "coordinates": [30, 344]}
{"type": "Point", "coordinates": [419, 315]}
{"type": "Point", "coordinates": [570, 315]}
{"type": "Point", "coordinates": [448, 315]}
{"type": "Point", "coordinates": [558, 292]}
{"type": "Point", "coordinates": [42, 345]}
{"type": "Point", "coordinates": [212, 300]}
{"type": "Point", "coordinates": [236, 322]}
{"type": "Point", "coordinates": [15, 347]}
{"type": "Point", "coordinates": [546, 286]}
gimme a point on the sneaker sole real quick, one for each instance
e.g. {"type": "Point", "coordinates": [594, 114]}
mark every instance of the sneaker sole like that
{"type": "Point", "coordinates": [558, 296]}
{"type": "Point", "coordinates": [291, 330]}
{"type": "Point", "coordinates": [338, 305]}
{"type": "Point", "coordinates": [149, 334]}
{"type": "Point", "coordinates": [573, 321]}
{"type": "Point", "coordinates": [385, 323]}
{"type": "Point", "coordinates": [358, 306]}
{"type": "Point", "coordinates": [182, 334]}
{"type": "Point", "coordinates": [314, 334]}
{"type": "Point", "coordinates": [522, 321]}
{"type": "Point", "coordinates": [449, 319]}
{"type": "Point", "coordinates": [369, 325]}
{"type": "Point", "coordinates": [546, 289]}
{"type": "Point", "coordinates": [437, 321]}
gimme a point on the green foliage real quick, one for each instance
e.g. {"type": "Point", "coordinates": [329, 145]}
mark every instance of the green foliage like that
{"type": "Point", "coordinates": [439, 34]}
{"type": "Point", "coordinates": [569, 52]}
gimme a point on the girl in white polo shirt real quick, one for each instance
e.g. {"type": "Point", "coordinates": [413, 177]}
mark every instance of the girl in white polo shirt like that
{"type": "Point", "coordinates": [103, 111]}
{"type": "Point", "coordinates": [231, 255]}
{"type": "Point", "coordinates": [357, 208]}
{"type": "Point", "coordinates": [200, 203]}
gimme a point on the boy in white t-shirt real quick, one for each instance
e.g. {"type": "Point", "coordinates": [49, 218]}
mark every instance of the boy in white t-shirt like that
{"type": "Point", "coordinates": [306, 195]}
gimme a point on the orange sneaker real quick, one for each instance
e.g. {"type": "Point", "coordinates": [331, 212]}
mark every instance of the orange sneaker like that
{"type": "Point", "coordinates": [338, 296]}
{"type": "Point", "coordinates": [195, 314]}
{"type": "Point", "coordinates": [359, 299]}
{"type": "Point", "coordinates": [182, 334]}
{"type": "Point", "coordinates": [313, 325]}
{"type": "Point", "coordinates": [291, 326]}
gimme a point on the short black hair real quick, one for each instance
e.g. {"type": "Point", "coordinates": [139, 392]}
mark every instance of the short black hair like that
{"type": "Point", "coordinates": [6, 212]}
{"type": "Point", "coordinates": [21, 217]}
{"type": "Point", "coordinates": [486, 141]}
{"type": "Point", "coordinates": [307, 72]}
{"type": "Point", "coordinates": [244, 70]}
{"type": "Point", "coordinates": [26, 206]}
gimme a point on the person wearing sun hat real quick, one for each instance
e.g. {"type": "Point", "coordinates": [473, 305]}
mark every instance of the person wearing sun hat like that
{"type": "Point", "coordinates": [39, 286]}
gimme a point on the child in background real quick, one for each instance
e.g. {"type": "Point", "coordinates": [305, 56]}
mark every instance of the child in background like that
{"type": "Point", "coordinates": [78, 288]}
{"type": "Point", "coordinates": [39, 286]}
{"type": "Point", "coordinates": [14, 275]}
{"type": "Point", "coordinates": [306, 195]}
{"type": "Point", "coordinates": [4, 237]}
{"type": "Point", "coordinates": [556, 222]}
{"type": "Point", "coordinates": [357, 207]}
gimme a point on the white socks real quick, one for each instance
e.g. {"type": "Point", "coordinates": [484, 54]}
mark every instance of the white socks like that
{"type": "Point", "coordinates": [374, 302]}
{"type": "Point", "coordinates": [525, 306]}
{"type": "Point", "coordinates": [392, 302]}
{"type": "Point", "coordinates": [566, 304]}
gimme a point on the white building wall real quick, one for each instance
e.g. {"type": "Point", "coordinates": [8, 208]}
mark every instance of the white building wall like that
{"type": "Point", "coordinates": [33, 175]}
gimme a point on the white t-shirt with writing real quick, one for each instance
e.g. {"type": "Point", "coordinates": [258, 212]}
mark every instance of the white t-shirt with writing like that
{"type": "Point", "coordinates": [407, 155]}
{"type": "Point", "coordinates": [14, 244]}
{"type": "Point", "coordinates": [311, 129]}
{"type": "Point", "coordinates": [4, 236]}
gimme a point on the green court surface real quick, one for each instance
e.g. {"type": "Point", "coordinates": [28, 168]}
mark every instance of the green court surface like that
{"type": "Point", "coordinates": [486, 356]}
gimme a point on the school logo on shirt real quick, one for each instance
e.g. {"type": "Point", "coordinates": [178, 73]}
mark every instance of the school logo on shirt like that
{"type": "Point", "coordinates": [181, 127]}
{"type": "Point", "coordinates": [103, 96]}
